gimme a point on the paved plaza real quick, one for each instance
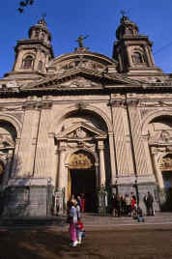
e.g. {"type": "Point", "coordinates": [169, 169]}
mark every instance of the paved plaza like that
{"type": "Point", "coordinates": [118, 239]}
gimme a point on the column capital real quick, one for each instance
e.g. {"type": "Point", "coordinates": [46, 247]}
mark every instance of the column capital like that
{"type": "Point", "coordinates": [62, 146]}
{"type": "Point", "coordinates": [100, 145]}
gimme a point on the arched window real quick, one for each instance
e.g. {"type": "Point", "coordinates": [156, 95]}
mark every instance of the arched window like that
{"type": "Point", "coordinates": [28, 62]}
{"type": "Point", "coordinates": [138, 58]}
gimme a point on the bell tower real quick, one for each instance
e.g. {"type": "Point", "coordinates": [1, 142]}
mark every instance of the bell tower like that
{"type": "Point", "coordinates": [133, 50]}
{"type": "Point", "coordinates": [33, 54]}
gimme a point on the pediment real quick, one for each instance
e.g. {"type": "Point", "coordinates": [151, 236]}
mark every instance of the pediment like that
{"type": "Point", "coordinates": [81, 131]}
{"type": "Point", "coordinates": [81, 78]}
{"type": "Point", "coordinates": [81, 70]}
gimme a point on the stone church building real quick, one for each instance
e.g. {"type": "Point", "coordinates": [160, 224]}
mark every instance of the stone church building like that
{"type": "Point", "coordinates": [84, 123]}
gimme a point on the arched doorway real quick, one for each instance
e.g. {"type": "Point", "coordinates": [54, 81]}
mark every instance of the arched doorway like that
{"type": "Point", "coordinates": [82, 178]}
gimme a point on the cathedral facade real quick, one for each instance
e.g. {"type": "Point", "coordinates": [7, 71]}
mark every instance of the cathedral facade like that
{"type": "Point", "coordinates": [84, 123]}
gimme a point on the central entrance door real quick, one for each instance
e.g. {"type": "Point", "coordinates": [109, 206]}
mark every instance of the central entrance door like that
{"type": "Point", "coordinates": [83, 182]}
{"type": "Point", "coordinates": [82, 179]}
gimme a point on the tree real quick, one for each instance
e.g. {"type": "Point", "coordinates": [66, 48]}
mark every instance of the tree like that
{"type": "Point", "coordinates": [24, 4]}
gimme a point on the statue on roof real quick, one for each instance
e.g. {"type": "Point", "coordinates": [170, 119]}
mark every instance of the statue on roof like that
{"type": "Point", "coordinates": [80, 40]}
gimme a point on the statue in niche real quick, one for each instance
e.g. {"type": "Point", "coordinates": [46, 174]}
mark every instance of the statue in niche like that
{"type": "Point", "coordinates": [165, 136]}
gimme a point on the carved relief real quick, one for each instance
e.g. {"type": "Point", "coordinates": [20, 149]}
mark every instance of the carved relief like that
{"type": "Point", "coordinates": [6, 141]}
{"type": "Point", "coordinates": [166, 163]}
{"type": "Point", "coordinates": [78, 133]}
{"type": "Point", "coordinates": [78, 82]}
{"type": "Point", "coordinates": [165, 136]}
{"type": "Point", "coordinates": [80, 161]}
{"type": "Point", "coordinates": [161, 137]}
{"type": "Point", "coordinates": [81, 62]}
{"type": "Point", "coordinates": [78, 127]}
{"type": "Point", "coordinates": [81, 144]}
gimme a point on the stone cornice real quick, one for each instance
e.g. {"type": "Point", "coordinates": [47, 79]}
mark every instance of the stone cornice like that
{"type": "Point", "coordinates": [98, 81]}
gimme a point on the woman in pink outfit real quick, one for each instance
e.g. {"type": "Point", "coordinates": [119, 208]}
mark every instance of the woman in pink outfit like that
{"type": "Point", "coordinates": [73, 218]}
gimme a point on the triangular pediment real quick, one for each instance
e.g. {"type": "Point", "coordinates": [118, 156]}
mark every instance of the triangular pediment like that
{"type": "Point", "coordinates": [81, 131]}
{"type": "Point", "coordinates": [81, 78]}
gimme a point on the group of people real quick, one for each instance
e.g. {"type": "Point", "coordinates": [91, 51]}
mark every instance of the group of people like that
{"type": "Point", "coordinates": [76, 227]}
{"type": "Point", "coordinates": [123, 205]}
{"type": "Point", "coordinates": [120, 206]}
{"type": "Point", "coordinates": [128, 206]}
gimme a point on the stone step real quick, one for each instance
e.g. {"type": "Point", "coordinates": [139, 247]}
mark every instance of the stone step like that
{"type": "Point", "coordinates": [88, 219]}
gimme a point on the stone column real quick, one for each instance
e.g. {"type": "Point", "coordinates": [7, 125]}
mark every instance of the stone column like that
{"type": "Point", "coordinates": [59, 199]}
{"type": "Point", "coordinates": [102, 163]}
{"type": "Point", "coordinates": [61, 168]}
{"type": "Point", "coordinates": [97, 175]}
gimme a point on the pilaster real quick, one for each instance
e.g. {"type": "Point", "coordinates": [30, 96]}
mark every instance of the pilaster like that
{"type": "Point", "coordinates": [121, 138]}
{"type": "Point", "coordinates": [26, 154]}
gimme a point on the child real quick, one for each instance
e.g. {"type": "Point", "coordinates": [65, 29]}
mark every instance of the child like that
{"type": "Point", "coordinates": [80, 231]}
{"type": "Point", "coordinates": [140, 217]}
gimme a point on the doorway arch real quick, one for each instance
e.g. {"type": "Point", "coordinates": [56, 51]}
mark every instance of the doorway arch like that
{"type": "Point", "coordinates": [82, 180]}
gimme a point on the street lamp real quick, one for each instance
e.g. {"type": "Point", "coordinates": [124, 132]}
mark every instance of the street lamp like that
{"type": "Point", "coordinates": [137, 191]}
{"type": "Point", "coordinates": [116, 186]}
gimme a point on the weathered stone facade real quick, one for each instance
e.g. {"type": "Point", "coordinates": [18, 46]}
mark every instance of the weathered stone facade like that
{"type": "Point", "coordinates": [81, 122]}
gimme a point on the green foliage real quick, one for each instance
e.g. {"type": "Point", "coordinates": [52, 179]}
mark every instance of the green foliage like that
{"type": "Point", "coordinates": [24, 4]}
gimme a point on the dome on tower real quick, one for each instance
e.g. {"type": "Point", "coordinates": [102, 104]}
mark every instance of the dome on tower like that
{"type": "Point", "coordinates": [40, 31]}
{"type": "Point", "coordinates": [126, 28]}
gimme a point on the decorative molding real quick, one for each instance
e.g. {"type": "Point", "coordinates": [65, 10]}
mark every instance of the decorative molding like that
{"type": "Point", "coordinates": [30, 105]}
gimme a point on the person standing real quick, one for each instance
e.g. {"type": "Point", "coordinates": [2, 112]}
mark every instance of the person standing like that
{"type": "Point", "coordinates": [150, 204]}
{"type": "Point", "coordinates": [72, 220]}
{"type": "Point", "coordinates": [82, 202]}
{"type": "Point", "coordinates": [128, 205]}
{"type": "Point", "coordinates": [148, 201]}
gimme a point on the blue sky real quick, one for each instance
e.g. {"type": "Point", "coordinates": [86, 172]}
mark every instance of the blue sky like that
{"type": "Point", "coordinates": [99, 19]}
